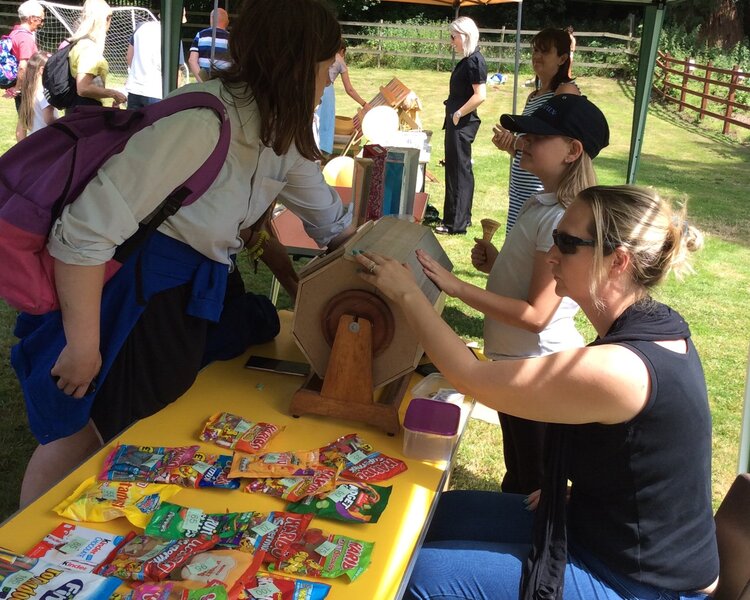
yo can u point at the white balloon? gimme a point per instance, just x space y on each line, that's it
380 123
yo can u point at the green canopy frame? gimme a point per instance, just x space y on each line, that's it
652 24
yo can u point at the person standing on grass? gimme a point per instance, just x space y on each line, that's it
468 89
121 351
36 112
23 39
551 63
631 426
523 316
87 63
207 57
326 111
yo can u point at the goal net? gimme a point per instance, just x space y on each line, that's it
63 19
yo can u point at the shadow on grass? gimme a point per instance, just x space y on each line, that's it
463 324
463 479
667 111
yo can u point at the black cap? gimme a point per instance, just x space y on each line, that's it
572 116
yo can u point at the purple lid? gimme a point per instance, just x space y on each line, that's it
432 416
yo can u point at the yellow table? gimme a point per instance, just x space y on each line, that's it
262 396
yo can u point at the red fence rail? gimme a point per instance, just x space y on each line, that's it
680 81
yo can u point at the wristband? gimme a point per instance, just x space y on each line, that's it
457 114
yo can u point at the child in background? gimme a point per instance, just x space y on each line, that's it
524 317
35 111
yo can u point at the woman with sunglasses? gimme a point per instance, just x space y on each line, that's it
468 89
524 317
631 426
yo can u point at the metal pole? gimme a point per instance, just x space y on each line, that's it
744 462
215 14
171 24
653 19
517 64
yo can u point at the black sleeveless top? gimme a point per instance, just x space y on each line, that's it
641 491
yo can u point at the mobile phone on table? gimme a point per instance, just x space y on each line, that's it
288 367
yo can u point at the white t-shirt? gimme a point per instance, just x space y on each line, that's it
511 277
144 75
40 103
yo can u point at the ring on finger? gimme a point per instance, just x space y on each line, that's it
371 269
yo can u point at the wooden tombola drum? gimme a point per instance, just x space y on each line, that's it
330 287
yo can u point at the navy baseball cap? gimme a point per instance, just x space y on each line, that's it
569 115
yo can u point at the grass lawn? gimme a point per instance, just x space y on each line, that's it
709 171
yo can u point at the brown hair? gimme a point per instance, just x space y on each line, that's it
560 41
657 237
276 46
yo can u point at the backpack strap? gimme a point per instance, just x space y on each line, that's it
199 182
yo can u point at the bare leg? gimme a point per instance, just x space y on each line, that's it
52 462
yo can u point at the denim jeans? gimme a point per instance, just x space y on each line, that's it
138 101
476 547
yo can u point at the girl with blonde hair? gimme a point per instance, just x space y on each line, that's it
524 317
35 112
87 63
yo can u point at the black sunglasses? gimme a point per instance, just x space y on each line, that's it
568 244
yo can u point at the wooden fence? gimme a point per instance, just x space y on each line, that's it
719 93
498 45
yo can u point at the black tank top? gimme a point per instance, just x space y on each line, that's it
641 491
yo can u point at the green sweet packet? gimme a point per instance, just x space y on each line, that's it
350 501
328 556
174 522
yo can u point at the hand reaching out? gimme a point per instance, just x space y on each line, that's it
439 275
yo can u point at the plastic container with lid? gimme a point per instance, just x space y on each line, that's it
436 387
430 429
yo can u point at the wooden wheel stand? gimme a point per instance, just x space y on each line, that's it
358 325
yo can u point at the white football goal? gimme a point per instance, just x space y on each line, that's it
62 21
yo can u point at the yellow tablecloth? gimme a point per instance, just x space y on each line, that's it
263 396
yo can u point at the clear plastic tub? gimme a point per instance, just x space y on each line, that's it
430 429
436 387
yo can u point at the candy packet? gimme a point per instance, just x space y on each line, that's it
350 501
99 501
204 470
294 488
229 568
328 556
275 464
358 460
274 587
145 463
174 522
171 590
148 558
77 548
25 578
232 431
280 531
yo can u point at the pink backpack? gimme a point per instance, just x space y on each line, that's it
45 172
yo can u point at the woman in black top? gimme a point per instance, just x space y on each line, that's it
630 426
468 90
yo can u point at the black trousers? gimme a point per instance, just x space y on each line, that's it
157 364
459 176
523 450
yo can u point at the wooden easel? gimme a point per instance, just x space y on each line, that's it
346 391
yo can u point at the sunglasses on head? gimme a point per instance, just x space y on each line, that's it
568 244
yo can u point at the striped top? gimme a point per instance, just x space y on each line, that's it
202 45
522 183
